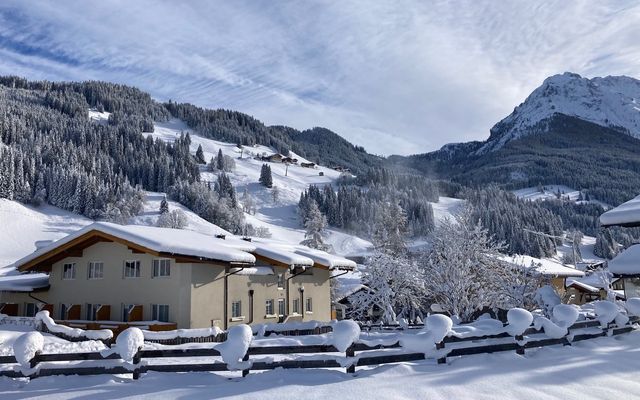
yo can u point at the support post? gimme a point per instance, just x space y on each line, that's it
440 346
136 361
245 372
520 348
351 352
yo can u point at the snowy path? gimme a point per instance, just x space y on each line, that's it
595 369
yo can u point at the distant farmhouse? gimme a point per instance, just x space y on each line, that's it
129 274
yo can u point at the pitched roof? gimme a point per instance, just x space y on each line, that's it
626 214
544 266
161 241
627 262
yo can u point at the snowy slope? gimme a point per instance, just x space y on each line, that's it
280 216
612 101
551 192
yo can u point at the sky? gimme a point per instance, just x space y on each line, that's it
397 76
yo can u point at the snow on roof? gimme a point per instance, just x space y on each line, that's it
627 262
584 286
298 252
544 266
346 290
283 256
23 282
323 258
264 271
165 240
625 214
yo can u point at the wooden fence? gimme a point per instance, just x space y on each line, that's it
357 355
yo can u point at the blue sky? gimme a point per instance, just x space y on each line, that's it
394 76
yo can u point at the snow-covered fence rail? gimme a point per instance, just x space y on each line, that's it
343 348
25 321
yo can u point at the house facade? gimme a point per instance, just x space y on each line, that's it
107 272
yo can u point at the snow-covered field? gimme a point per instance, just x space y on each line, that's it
551 192
594 369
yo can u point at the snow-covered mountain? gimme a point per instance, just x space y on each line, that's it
612 101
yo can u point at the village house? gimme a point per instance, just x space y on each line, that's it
129 273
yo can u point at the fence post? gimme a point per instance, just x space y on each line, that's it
33 363
136 360
351 352
440 346
520 348
245 372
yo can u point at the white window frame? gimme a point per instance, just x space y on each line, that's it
26 309
308 305
72 275
282 308
236 311
157 311
161 267
137 269
92 270
269 308
295 306
281 281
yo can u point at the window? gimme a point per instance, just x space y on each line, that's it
269 307
236 309
281 307
92 312
309 305
30 309
132 269
160 312
69 271
63 311
296 306
280 281
161 268
96 270
126 309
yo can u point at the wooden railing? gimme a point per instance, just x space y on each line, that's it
355 356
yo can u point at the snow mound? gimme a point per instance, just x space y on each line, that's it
565 314
236 346
551 329
480 327
182 333
345 333
27 346
633 306
519 321
547 298
128 343
436 328
99 334
608 312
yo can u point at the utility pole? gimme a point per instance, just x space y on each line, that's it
573 242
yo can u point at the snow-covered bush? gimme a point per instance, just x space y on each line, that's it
565 314
175 219
519 321
608 312
547 298
232 350
98 334
344 333
27 346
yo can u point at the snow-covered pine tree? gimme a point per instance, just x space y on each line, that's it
315 226
175 219
200 155
164 206
220 161
265 176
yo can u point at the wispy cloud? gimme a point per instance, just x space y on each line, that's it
394 76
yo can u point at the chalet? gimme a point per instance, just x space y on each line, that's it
341 169
127 273
625 265
307 165
274 158
553 272
289 160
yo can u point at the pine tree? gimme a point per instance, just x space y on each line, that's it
164 206
200 155
315 226
220 161
265 176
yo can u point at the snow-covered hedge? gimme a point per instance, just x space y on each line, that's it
99 334
26 347
182 333
233 349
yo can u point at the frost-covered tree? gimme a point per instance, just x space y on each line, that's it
315 226
222 162
390 229
275 194
175 219
164 206
462 271
200 155
248 203
606 246
265 176
396 288
225 189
